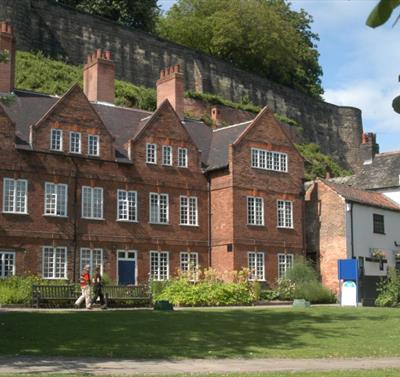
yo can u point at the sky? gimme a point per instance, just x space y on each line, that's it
361 65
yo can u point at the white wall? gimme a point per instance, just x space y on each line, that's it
393 194
365 238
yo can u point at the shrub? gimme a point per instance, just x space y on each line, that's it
301 282
389 290
269 295
209 291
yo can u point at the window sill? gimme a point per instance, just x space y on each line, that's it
151 163
257 225
75 153
93 218
56 150
273 170
15 213
63 278
151 223
190 225
126 221
59 216
285 227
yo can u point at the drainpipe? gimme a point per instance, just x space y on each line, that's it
351 229
75 219
209 220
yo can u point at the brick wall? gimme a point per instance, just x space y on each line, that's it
326 212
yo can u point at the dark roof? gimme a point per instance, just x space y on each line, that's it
370 198
125 124
219 148
383 172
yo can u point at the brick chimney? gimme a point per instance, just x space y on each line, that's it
368 148
7 69
171 86
99 76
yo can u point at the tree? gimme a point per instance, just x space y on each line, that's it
379 15
140 14
261 36
382 12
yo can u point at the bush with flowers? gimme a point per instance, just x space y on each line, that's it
211 289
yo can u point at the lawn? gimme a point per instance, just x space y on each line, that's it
316 332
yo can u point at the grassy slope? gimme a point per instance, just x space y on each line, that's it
38 73
289 333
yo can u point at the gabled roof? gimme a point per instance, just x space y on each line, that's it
383 172
369 198
125 124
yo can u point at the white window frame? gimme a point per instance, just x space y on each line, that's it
167 151
53 275
254 273
70 142
269 160
3 255
158 213
282 218
91 261
256 216
47 205
23 199
128 206
95 146
156 274
189 264
189 211
285 264
152 154
92 203
60 132
183 157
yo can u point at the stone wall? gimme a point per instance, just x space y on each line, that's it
61 32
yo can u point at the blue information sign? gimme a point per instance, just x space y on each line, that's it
348 269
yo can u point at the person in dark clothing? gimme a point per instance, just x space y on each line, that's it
98 288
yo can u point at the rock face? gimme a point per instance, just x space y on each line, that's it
61 32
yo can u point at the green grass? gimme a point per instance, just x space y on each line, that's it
317 332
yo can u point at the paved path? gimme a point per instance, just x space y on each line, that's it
34 365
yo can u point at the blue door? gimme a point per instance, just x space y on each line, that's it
126 272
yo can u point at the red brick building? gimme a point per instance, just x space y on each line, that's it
142 194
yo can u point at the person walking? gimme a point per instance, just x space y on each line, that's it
98 288
84 282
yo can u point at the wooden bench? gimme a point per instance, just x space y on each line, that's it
134 293
46 293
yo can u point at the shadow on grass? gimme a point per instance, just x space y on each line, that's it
184 334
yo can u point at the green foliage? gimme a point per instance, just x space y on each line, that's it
129 95
389 290
141 14
4 54
18 289
210 290
8 99
269 295
301 282
265 37
38 73
318 163
382 12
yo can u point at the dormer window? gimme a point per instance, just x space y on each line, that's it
182 157
56 139
269 160
151 153
75 142
93 145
